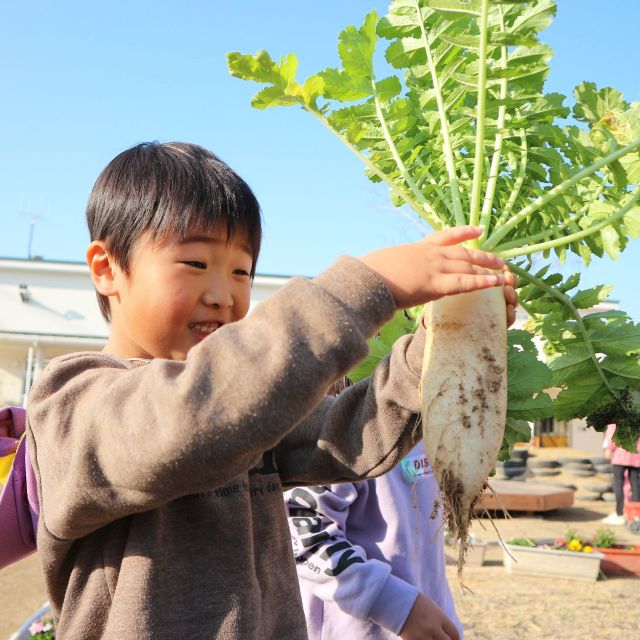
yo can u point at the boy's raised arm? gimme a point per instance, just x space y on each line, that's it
119 440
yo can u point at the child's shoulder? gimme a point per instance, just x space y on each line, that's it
80 360
64 369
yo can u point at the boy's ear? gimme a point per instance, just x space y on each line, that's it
103 269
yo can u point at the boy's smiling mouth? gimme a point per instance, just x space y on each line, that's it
203 329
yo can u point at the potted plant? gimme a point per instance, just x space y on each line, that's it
39 626
569 557
618 558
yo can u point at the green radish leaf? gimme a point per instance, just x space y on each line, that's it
624 412
515 431
378 350
585 395
472 7
592 104
531 408
465 133
625 368
617 338
591 297
402 323
526 373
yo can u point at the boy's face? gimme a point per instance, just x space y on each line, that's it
176 294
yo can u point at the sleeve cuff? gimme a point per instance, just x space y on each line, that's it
394 602
361 290
415 352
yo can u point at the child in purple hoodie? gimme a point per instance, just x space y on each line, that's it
18 493
370 555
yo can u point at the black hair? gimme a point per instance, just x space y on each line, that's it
168 189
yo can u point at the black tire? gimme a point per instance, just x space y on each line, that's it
582 474
604 468
565 460
588 495
545 472
597 488
574 466
543 464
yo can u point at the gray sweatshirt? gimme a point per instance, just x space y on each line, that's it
160 486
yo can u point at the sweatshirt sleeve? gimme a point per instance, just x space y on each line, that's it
109 440
364 431
334 569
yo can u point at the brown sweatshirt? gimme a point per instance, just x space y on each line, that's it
160 486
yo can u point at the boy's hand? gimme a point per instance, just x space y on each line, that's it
427 621
510 295
437 266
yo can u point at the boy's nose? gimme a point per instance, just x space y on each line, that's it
218 296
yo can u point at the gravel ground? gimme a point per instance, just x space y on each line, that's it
21 594
500 606
507 607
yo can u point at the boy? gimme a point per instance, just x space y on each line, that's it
160 460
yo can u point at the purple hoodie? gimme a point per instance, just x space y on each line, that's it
364 551
19 497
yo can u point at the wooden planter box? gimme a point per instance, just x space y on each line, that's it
621 561
536 561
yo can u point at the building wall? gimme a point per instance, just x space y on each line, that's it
21 362
585 438
48 309
12 370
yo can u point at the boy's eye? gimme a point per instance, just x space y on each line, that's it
241 272
196 263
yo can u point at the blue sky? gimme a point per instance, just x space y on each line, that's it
81 81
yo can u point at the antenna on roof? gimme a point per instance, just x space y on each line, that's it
32 218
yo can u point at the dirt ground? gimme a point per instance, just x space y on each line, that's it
501 606
504 606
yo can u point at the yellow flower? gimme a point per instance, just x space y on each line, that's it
587 549
574 545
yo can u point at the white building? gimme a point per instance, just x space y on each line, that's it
48 309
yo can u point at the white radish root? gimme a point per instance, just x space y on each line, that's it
464 400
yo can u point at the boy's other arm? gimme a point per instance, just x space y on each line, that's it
364 431
334 569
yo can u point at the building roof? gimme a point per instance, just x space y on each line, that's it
44 299
56 300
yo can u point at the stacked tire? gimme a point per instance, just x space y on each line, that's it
592 484
513 469
578 467
544 468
